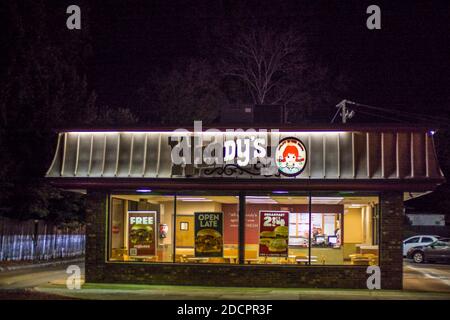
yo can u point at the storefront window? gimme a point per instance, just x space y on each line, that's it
207 228
317 229
277 228
342 229
280 228
141 228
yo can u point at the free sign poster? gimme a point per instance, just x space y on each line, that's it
208 234
273 233
142 233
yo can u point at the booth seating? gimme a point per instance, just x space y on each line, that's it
304 259
118 254
367 249
251 256
366 259
230 254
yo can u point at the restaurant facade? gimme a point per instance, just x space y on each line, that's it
284 207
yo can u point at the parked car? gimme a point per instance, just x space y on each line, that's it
439 250
417 241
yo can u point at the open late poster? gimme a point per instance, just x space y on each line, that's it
142 233
273 233
208 234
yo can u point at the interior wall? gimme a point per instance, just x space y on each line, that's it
367 224
353 225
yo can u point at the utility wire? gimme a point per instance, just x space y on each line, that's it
381 116
403 113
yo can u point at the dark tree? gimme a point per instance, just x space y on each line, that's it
189 91
277 67
43 87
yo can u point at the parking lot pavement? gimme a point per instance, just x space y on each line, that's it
421 281
426 277
28 278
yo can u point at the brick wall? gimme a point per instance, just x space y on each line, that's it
97 270
391 240
95 236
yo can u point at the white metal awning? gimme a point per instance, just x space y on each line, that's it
337 155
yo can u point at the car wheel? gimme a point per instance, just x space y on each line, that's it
418 257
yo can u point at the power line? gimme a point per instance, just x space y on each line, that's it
347 114
381 116
399 112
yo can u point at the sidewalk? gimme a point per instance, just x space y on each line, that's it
155 292
21 265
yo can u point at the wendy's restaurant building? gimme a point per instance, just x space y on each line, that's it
291 207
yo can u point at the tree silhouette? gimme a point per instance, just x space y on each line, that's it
277 68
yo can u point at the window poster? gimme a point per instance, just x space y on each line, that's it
208 234
273 233
142 233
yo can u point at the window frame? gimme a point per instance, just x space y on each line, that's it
176 194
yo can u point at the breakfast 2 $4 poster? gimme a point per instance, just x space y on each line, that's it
273 233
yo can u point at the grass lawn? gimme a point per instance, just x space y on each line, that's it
162 292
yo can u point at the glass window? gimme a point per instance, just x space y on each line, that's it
427 239
343 230
141 228
207 228
413 240
335 229
276 228
281 227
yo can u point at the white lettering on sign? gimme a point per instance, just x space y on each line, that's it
215 147
208 220
142 220
274 220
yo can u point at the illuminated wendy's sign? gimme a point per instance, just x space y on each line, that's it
290 157
227 152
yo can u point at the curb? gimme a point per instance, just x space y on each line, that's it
39 265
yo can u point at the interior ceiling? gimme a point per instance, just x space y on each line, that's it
272 199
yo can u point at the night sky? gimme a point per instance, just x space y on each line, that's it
404 66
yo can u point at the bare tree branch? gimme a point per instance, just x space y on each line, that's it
263 60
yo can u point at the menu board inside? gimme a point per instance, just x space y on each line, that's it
208 234
141 233
273 233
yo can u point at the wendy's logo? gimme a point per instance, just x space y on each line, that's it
290 157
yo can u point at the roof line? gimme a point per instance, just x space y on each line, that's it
280 127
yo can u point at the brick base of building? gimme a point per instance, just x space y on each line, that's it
353 277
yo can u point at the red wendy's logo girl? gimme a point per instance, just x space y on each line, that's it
290 157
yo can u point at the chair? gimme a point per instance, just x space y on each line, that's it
359 259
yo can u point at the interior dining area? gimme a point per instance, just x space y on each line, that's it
332 228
